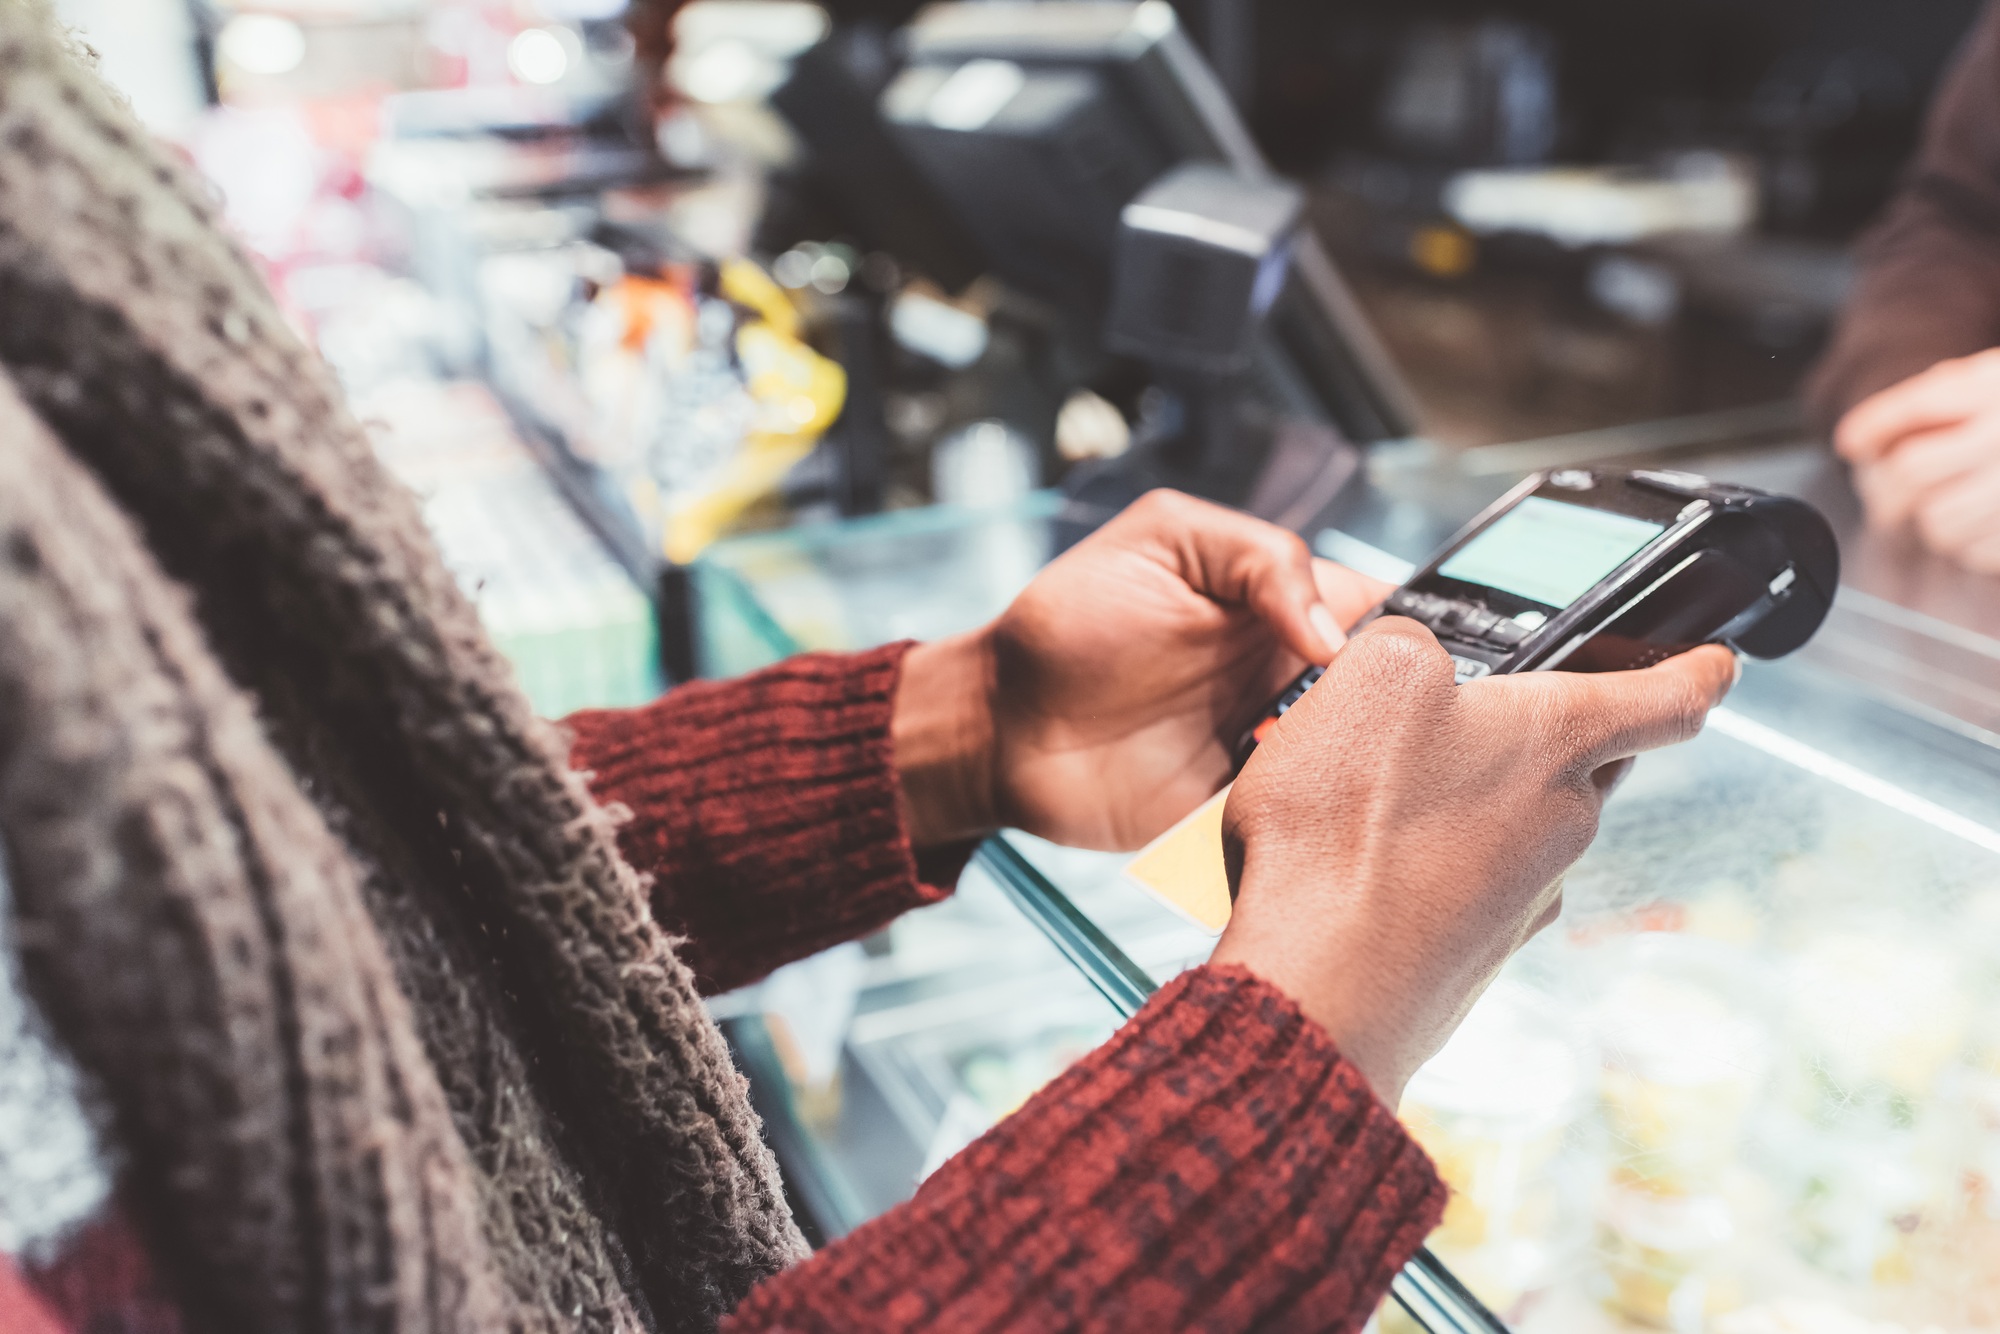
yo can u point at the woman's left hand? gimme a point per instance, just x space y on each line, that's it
1104 704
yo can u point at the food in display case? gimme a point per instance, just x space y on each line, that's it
1875 1022
1808 1317
1498 1110
1684 1060
1685 1056
1791 1119
1666 1260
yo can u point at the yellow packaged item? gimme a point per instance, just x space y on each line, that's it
1183 867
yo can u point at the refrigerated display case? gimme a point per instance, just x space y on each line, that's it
1750 1081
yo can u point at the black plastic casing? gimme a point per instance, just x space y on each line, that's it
1734 565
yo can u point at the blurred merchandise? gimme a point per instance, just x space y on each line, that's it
1806 1317
986 466
1578 206
149 51
917 574
1499 1110
1666 1257
579 633
1686 1058
1876 1021
691 389
1483 93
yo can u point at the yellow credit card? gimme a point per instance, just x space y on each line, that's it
1183 868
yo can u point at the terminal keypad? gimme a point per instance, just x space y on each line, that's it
1465 621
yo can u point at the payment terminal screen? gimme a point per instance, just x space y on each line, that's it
1549 552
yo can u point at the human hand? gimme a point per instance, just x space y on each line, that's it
1105 703
1397 838
1926 453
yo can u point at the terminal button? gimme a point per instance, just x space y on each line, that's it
1469 669
1478 622
1418 606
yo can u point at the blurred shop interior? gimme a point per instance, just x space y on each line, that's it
794 262
713 331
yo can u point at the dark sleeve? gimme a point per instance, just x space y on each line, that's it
1216 1166
766 810
1929 286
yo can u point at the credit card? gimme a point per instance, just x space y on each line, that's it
1183 868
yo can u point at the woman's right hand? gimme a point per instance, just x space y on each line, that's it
1926 455
1398 837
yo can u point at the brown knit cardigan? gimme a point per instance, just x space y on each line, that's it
300 878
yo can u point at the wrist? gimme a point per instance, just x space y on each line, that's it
942 733
1343 1018
1331 974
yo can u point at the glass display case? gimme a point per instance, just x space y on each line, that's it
1750 1082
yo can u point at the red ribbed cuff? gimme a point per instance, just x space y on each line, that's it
1216 1166
766 810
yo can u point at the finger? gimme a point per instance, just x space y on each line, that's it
1604 717
1952 517
1239 560
1982 555
1348 594
1905 479
1944 395
1886 498
1395 648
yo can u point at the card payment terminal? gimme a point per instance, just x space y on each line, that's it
1596 569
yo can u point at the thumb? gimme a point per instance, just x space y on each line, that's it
1282 590
1611 716
1237 559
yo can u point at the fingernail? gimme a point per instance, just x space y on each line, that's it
1328 628
1736 660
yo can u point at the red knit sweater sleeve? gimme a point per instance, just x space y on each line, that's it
1216 1166
765 810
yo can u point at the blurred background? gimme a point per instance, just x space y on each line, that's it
711 331
1545 218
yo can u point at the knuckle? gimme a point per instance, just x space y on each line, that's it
1687 709
1402 650
1282 545
1161 504
1933 527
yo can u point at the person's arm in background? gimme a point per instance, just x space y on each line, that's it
1911 385
1929 285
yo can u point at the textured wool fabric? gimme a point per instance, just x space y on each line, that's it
621 1176
199 939
763 784
1930 269
1215 1166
